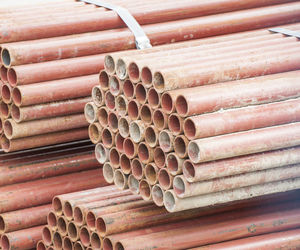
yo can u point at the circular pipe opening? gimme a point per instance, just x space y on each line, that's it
107 138
123 125
5 56
158 195
67 244
57 205
140 93
146 76
113 121
151 174
103 80
167 103
78 246
121 105
133 110
94 133
121 69
78 216
129 148
159 157
95 241
114 85
101 153
188 170
108 172
17 96
159 82
8 129
114 157
153 98
134 72
181 105
146 114
119 246
143 152
180 146
61 225
57 241
101 226
137 169
128 89
97 96
125 164
172 163
103 116
169 201
133 184
5 242
194 152
165 141
119 142
145 190
84 236
4 109
109 64
51 220
72 231
41 246
120 180
174 124
164 179
159 119
4 73
5 144
6 93
15 113
68 210
151 136
46 235
135 132
2 225
107 244
189 128
178 185
110 101
90 113
91 220
12 77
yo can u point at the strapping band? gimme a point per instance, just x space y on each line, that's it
286 32
141 39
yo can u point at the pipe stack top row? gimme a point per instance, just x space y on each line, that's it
201 123
49 67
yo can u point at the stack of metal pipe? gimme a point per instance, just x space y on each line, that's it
30 179
107 218
52 51
203 122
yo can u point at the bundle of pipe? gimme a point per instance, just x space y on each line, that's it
30 179
180 125
60 54
108 218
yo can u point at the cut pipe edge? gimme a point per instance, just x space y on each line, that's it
160 119
47 236
119 141
151 173
90 112
154 98
115 86
145 153
137 169
181 106
189 128
167 103
96 241
103 80
84 236
125 164
101 153
146 114
121 180
121 105
62 225
123 125
129 89
109 64
5 57
145 190
4 73
133 184
98 96
113 121
5 110
103 116
175 123
130 148
121 69
114 157
134 72
57 241
166 141
141 93
17 96
157 195
151 136
181 146
95 130
51 220
137 131
6 93
108 173
108 138
146 76
159 157
165 180
174 164
133 109
158 82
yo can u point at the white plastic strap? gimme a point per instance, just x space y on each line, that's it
286 32
141 39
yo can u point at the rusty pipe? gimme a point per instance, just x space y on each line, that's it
125 164
133 184
108 173
159 157
95 131
137 131
137 168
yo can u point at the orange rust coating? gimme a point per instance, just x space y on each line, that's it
108 20
280 240
63 89
22 239
48 167
235 120
58 69
243 143
24 218
42 191
44 139
15 130
217 228
239 165
52 109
